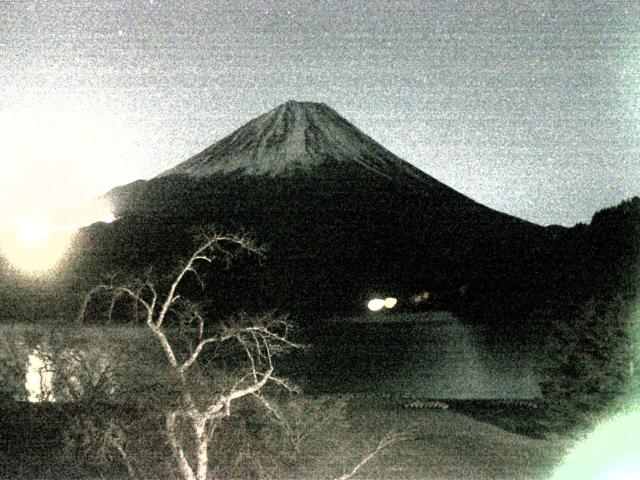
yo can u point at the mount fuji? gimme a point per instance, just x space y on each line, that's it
343 217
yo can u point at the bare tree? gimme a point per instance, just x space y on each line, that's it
259 340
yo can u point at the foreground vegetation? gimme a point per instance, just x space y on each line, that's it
330 435
581 310
201 407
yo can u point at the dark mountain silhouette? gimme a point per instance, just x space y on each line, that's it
343 218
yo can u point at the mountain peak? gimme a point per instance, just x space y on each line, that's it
294 136
297 105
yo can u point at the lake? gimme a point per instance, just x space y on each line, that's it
428 355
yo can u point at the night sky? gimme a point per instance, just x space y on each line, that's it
531 108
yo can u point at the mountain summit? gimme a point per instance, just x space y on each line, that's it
295 137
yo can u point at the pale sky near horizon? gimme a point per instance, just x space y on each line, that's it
532 108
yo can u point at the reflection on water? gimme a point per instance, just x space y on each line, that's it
65 375
39 378
416 354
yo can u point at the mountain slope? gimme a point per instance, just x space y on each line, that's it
296 136
299 139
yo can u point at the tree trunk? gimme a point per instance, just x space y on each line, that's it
203 446
178 453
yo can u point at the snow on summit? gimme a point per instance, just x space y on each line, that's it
293 137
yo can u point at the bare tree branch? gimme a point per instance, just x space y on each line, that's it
387 441
194 356
206 252
112 305
250 357
85 303
235 394
115 437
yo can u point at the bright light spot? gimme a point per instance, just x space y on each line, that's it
32 230
108 217
611 452
35 247
56 153
375 305
39 379
33 251
85 214
390 302
64 149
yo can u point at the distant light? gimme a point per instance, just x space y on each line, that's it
32 231
390 302
376 304
108 217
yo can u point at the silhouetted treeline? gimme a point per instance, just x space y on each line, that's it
588 320
576 300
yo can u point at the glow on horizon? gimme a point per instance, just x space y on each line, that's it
36 246
32 231
59 152
63 149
